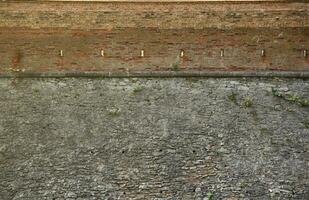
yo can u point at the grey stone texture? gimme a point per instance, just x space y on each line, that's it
152 138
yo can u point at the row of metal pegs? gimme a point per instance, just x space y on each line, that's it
182 53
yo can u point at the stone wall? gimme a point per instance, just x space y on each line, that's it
177 138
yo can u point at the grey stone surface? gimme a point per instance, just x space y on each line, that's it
80 138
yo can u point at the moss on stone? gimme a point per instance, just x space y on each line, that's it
233 97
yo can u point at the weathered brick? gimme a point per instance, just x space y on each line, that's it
24 50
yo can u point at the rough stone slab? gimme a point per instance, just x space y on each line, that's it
79 138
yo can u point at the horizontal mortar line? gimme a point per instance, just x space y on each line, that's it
165 74
157 1
172 2
163 2
160 0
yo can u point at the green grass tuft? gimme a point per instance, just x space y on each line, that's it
247 102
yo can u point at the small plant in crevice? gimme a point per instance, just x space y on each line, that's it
264 131
255 116
275 92
113 112
233 97
137 90
293 98
306 124
209 196
247 102
290 110
175 66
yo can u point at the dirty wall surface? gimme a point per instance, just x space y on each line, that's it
181 138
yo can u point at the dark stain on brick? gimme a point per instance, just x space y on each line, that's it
16 60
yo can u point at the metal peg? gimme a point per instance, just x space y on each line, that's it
61 53
182 53
222 52
263 53
102 53
142 53
305 53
